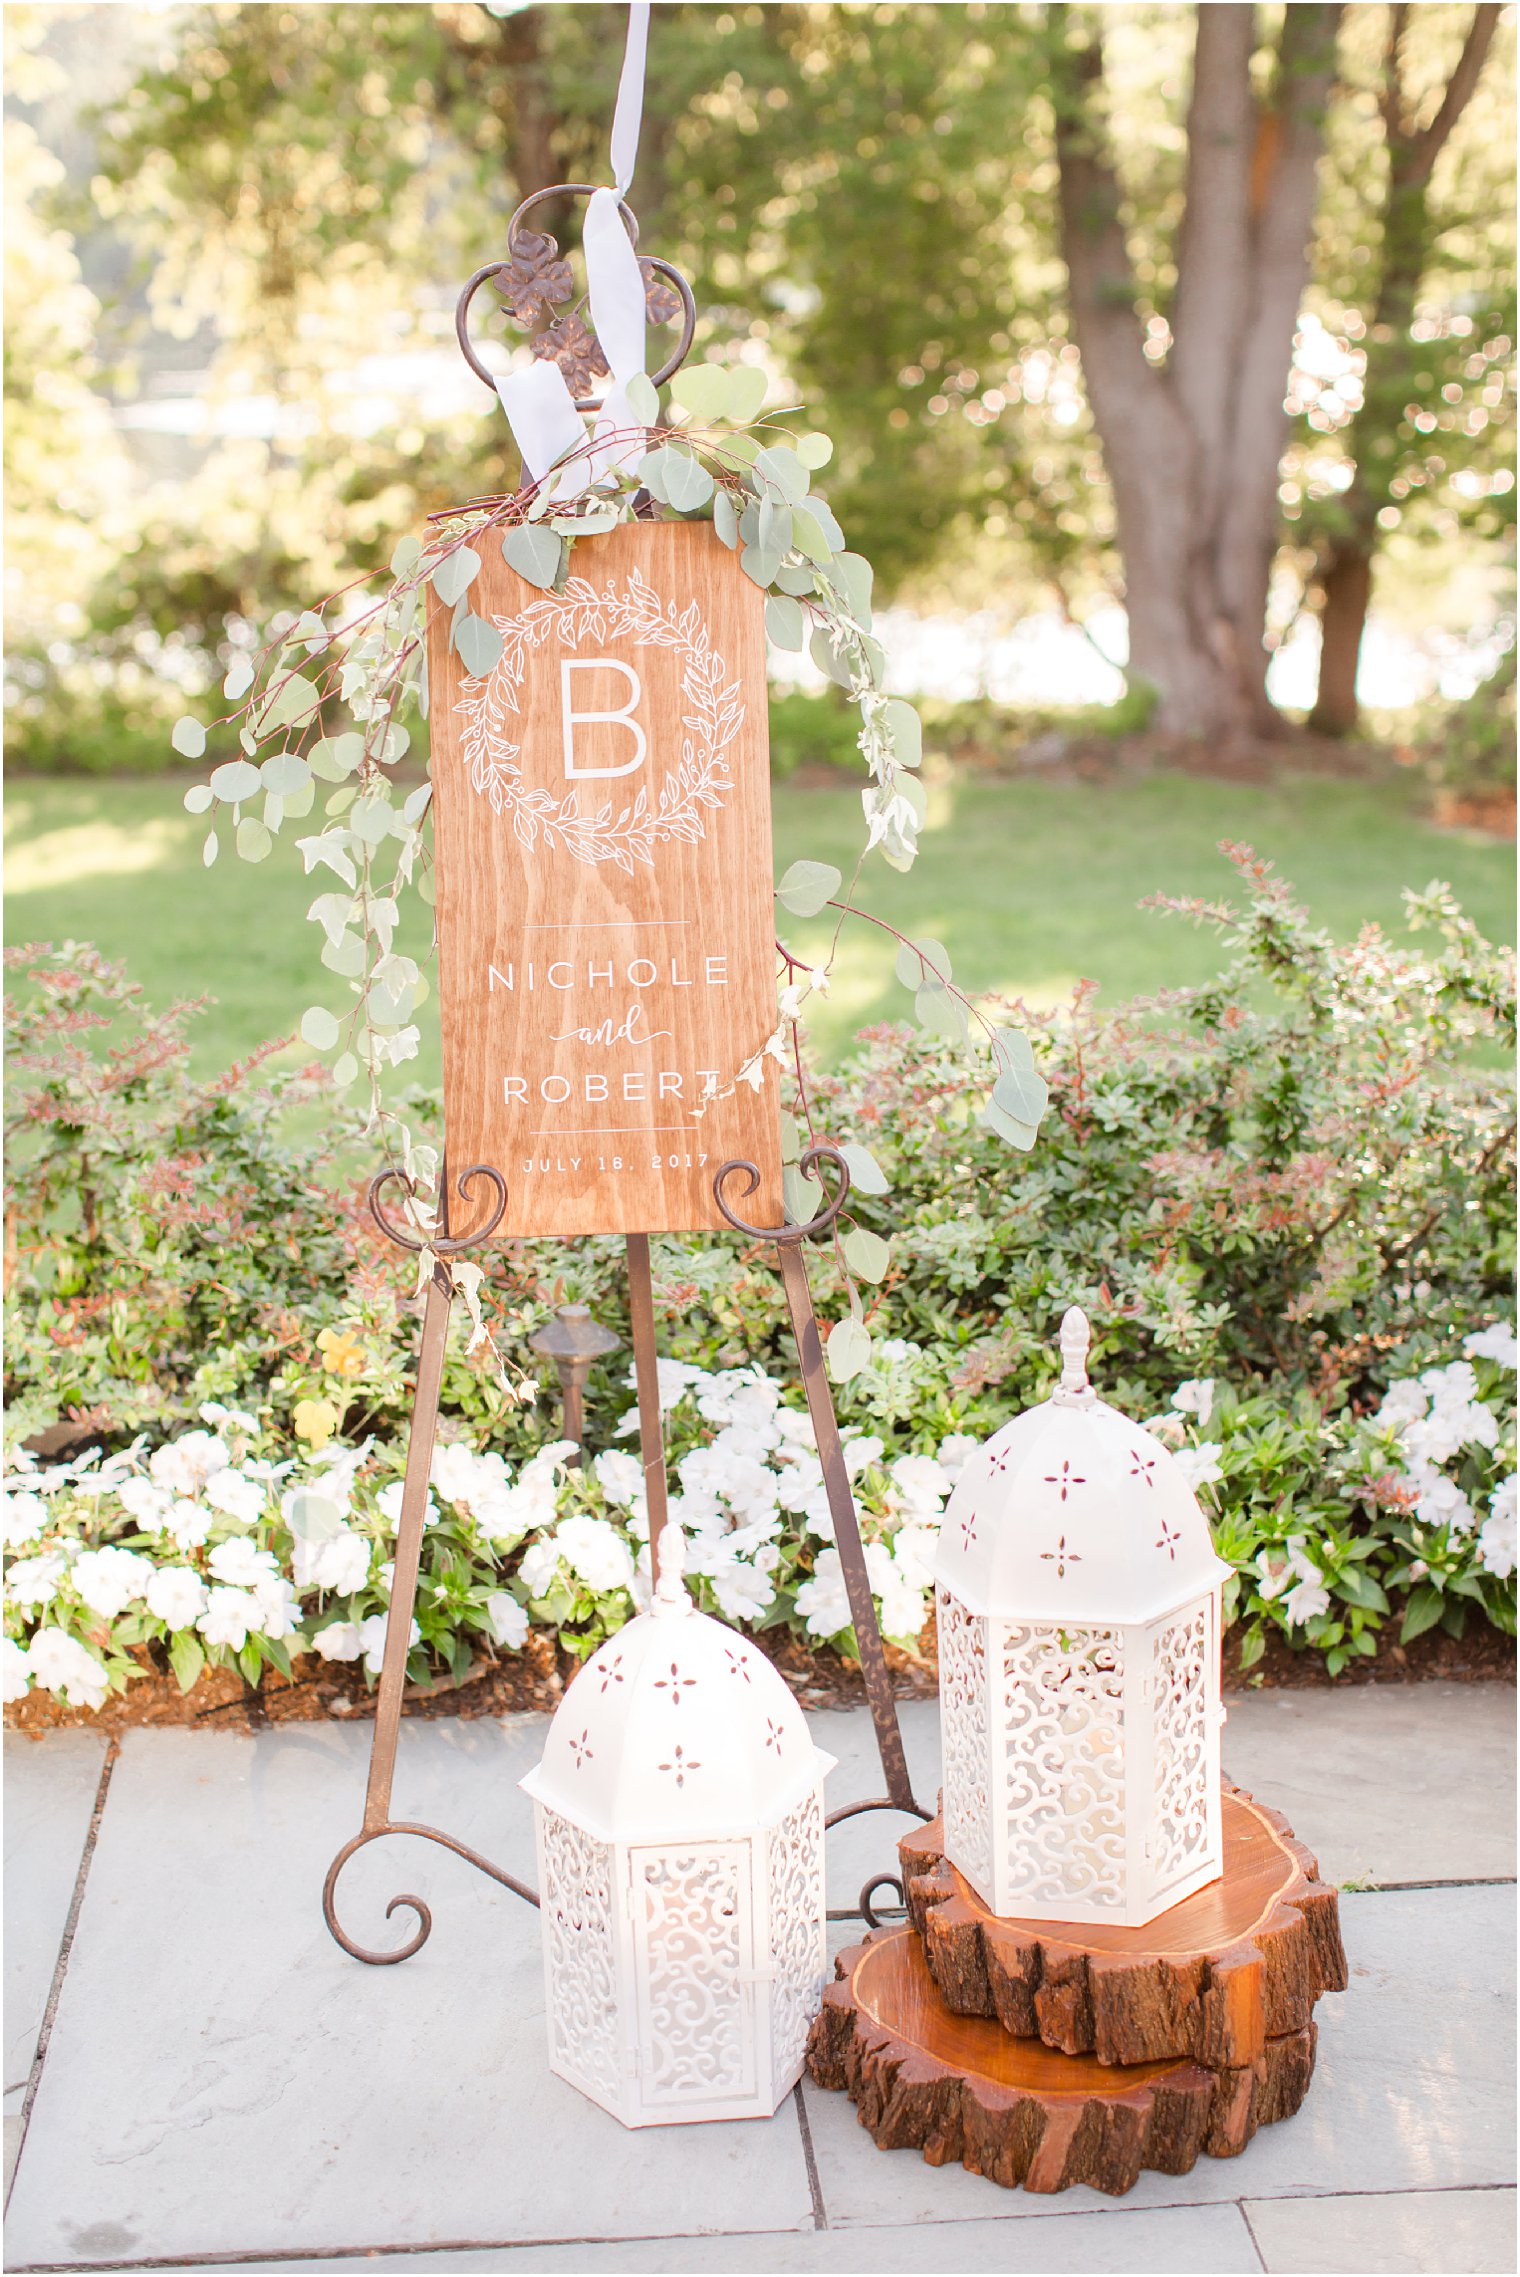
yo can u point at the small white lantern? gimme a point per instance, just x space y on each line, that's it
679 1815
1078 1595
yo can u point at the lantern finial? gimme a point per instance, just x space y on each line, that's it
670 1590
1076 1336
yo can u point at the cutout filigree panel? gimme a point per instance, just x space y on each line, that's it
1062 1755
581 1943
1180 1707
694 1934
963 1722
794 1873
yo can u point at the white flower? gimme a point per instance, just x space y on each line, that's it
913 1548
509 1623
340 1640
372 1637
1305 1601
740 1395
1496 1536
1496 1342
919 1485
184 1466
1442 1502
860 1451
1402 1404
147 1503
240 1564
15 1671
793 1427
540 1563
177 1596
675 1378
621 1477
823 1601
594 1549
34 1581
238 1498
279 1607
229 1615
1199 1465
388 1502
189 1525
461 1475
61 1664
25 1516
743 1590
341 1563
337 1468
233 1418
1195 1397
110 1580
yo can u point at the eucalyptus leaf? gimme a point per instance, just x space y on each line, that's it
210 849
293 698
866 1173
744 448
1009 1127
688 484
848 1349
285 772
456 573
784 622
405 556
921 963
808 887
851 574
479 646
188 737
940 1010
1023 1093
239 678
703 389
235 779
199 798
791 1137
253 840
726 517
829 661
758 565
336 756
746 392
749 523
866 1254
804 1197
535 553
319 1028
780 465
371 819
643 398
775 530
808 537
911 790
344 1068
814 449
905 732
792 577
345 956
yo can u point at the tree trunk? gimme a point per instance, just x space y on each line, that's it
1345 577
1192 450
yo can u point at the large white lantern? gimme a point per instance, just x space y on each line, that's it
679 1814
1078 1596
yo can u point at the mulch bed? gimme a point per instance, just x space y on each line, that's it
536 1678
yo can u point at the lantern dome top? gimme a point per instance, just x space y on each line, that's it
1074 1512
676 1727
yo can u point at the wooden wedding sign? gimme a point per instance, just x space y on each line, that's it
606 929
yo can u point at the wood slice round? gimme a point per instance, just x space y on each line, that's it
1214 1978
960 2087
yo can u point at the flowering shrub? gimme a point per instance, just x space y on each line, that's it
1284 1200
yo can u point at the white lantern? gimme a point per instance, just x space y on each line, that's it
679 1815
1078 1596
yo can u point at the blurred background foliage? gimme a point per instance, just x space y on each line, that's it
236 233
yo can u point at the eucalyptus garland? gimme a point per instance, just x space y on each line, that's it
322 710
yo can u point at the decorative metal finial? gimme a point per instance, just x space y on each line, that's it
1076 1337
670 1590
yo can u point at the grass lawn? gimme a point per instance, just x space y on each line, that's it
1031 886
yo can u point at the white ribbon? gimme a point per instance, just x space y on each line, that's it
537 400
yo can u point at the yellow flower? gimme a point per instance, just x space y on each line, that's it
342 1353
315 1421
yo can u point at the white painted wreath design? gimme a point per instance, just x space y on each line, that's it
712 719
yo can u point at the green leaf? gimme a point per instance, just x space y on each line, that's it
1252 1645
405 557
688 484
457 572
866 1173
808 537
851 576
705 390
187 1657
479 645
814 449
199 797
643 398
251 1660
781 467
923 962
1009 1127
866 1254
760 567
188 737
253 840
336 756
784 622
804 1197
234 780
940 1010
848 1348
1425 1607
319 1028
537 555
905 732
344 1068
791 1137
792 577
775 532
747 387
807 887
829 661
726 517
295 698
285 773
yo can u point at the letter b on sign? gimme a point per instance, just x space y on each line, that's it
623 717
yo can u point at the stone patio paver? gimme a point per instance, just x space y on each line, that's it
222 2080
1466 2233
